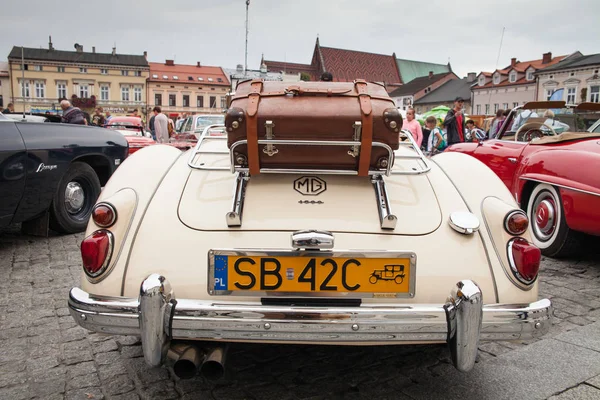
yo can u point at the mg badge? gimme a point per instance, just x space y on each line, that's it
310 185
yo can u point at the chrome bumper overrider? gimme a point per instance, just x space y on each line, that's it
158 318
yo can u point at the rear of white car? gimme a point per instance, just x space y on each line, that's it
438 256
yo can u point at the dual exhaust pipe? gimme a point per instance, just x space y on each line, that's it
190 358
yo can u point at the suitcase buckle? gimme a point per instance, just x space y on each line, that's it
355 151
270 150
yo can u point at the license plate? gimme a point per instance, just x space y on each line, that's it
354 274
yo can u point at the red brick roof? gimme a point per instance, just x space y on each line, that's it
209 75
348 65
521 67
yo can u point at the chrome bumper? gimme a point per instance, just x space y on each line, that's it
158 318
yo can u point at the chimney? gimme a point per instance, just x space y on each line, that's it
78 48
430 74
198 64
93 49
114 51
471 76
146 55
546 58
239 68
169 62
50 46
513 62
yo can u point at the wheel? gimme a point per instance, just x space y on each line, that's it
74 199
546 215
373 279
399 279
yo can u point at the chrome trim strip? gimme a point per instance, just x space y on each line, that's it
559 185
309 254
387 219
234 217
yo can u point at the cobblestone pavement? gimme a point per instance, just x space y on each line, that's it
45 355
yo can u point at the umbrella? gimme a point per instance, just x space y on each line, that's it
438 112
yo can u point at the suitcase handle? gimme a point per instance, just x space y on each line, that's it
298 91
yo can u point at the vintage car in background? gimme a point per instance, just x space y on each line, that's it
194 125
408 251
51 174
132 128
546 154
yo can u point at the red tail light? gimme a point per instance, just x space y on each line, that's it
96 250
516 223
524 259
104 215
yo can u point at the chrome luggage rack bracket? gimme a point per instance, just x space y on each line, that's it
234 217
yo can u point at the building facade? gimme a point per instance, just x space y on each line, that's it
405 95
192 89
4 86
237 75
116 82
511 86
578 76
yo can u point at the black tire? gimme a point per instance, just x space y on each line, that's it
65 220
548 224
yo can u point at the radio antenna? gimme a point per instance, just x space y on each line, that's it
497 61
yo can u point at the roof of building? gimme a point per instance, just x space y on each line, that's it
348 65
161 72
78 57
519 66
448 92
3 68
344 65
417 84
410 69
575 62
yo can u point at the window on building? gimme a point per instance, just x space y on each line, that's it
549 93
210 79
190 78
212 101
200 78
529 75
219 80
478 109
496 79
595 94
505 106
481 80
487 109
158 99
571 93
61 90
200 101
40 89
165 77
124 72
104 92
25 89
137 94
496 106
512 77
104 71
60 69
124 93
84 91
38 68
172 100
515 104
186 100
154 76
82 70
137 73
223 102
175 77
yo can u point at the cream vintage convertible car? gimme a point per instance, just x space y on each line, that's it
418 252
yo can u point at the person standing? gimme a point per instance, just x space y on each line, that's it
71 115
161 125
436 142
455 122
10 109
496 123
98 119
151 126
107 118
412 125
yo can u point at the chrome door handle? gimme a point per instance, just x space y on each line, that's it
512 160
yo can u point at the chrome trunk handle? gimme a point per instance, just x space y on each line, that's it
312 240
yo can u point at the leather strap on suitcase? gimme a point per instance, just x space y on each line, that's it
252 112
366 139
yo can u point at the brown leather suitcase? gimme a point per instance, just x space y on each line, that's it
317 112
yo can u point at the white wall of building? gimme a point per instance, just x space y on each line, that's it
573 81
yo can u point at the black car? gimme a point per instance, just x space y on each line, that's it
51 174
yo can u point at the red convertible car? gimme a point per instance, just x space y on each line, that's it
133 130
548 157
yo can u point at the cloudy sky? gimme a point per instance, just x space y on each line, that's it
465 32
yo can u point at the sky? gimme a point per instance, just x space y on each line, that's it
465 32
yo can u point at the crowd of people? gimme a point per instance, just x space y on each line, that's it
434 137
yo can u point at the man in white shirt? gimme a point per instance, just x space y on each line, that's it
161 126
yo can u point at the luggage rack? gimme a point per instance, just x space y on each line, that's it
234 217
